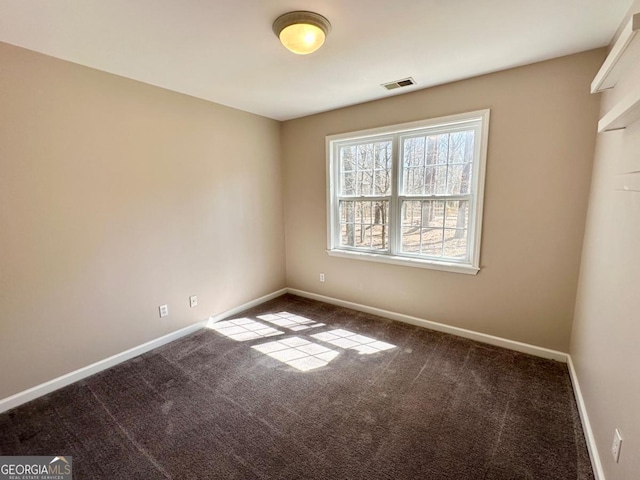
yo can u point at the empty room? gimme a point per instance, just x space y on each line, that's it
320 240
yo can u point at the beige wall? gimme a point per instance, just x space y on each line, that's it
542 134
605 345
116 197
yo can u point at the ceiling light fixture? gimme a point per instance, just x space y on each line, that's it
301 32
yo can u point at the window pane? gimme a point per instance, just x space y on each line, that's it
363 212
457 214
438 164
347 234
422 225
413 165
414 151
347 223
347 170
365 169
432 242
461 147
378 237
411 213
382 181
348 183
431 156
420 214
455 243
411 239
435 180
363 236
458 179
347 159
383 155
363 185
347 212
413 180
438 149
382 168
433 213
364 224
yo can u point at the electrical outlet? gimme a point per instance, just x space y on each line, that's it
617 444
322 277
193 301
164 310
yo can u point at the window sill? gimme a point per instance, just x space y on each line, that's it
405 261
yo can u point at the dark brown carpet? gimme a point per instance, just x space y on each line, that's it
368 398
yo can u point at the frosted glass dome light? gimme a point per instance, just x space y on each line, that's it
301 32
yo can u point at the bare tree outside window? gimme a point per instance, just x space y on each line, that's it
365 175
436 165
412 193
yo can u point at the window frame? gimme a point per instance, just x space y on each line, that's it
478 120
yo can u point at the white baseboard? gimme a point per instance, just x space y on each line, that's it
440 327
64 380
69 378
492 340
598 472
84 372
246 306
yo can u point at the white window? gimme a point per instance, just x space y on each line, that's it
409 194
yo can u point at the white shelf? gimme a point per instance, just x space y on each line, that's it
623 114
625 49
628 182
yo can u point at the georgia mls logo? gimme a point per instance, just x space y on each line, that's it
35 468
59 459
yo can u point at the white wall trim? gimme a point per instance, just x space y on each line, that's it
492 340
246 306
40 390
440 327
598 472
71 377
405 261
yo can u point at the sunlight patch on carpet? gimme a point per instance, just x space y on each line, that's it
290 321
298 353
346 339
243 329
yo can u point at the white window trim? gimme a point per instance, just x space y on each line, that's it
475 219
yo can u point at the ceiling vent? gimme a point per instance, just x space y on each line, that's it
405 82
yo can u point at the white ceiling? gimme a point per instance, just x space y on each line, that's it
224 50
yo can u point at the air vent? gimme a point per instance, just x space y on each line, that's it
405 82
